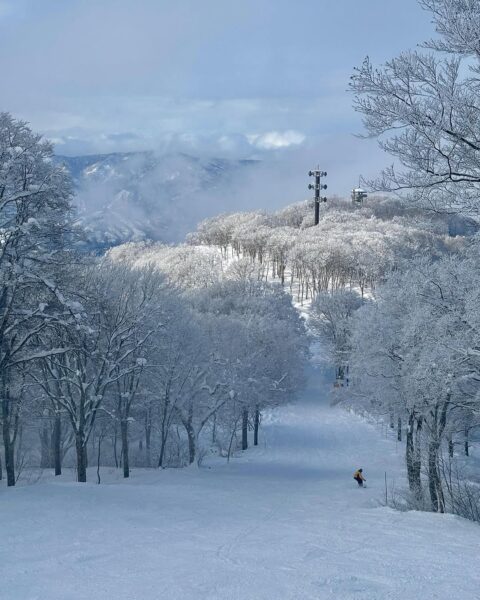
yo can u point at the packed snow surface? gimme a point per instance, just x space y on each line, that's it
283 521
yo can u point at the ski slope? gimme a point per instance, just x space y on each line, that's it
285 521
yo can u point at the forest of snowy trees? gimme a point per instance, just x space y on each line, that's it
394 283
421 365
97 355
154 355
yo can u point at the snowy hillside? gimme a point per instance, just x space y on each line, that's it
284 521
140 195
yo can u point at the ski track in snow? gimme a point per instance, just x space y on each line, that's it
284 521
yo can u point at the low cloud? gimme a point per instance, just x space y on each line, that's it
226 145
274 140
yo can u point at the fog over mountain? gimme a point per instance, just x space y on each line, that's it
141 195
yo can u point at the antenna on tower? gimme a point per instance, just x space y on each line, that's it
317 186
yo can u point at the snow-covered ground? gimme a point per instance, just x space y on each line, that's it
283 521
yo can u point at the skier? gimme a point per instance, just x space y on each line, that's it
359 478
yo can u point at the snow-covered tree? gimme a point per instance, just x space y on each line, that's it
332 314
414 355
118 314
264 345
424 107
34 227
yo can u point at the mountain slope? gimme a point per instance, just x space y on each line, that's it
141 195
284 520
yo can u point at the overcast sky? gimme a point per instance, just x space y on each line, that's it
245 78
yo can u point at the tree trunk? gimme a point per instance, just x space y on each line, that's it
256 426
126 466
57 443
434 483
214 429
412 456
399 429
466 446
81 449
98 458
161 458
9 456
409 451
192 446
115 450
417 456
148 445
245 429
8 443
450 448
164 430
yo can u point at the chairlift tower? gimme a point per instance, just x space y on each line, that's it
317 186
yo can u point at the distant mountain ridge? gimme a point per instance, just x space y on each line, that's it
142 195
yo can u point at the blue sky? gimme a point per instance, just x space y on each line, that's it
251 78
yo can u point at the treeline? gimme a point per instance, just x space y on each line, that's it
352 246
107 363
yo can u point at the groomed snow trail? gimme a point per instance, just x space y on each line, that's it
284 521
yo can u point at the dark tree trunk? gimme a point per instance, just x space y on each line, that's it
81 449
466 445
191 445
164 434
450 448
57 444
161 458
417 456
409 451
434 483
256 426
148 444
99 453
8 442
115 450
214 429
9 457
399 429
126 466
412 456
245 429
